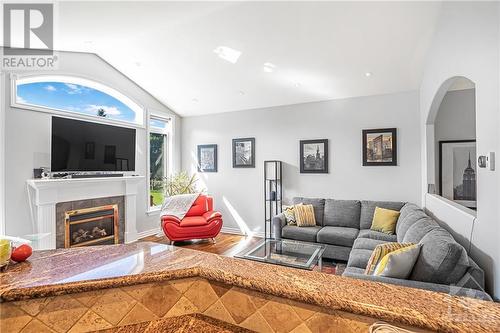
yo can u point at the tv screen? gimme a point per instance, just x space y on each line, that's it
85 146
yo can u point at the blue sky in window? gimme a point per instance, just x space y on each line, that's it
73 98
158 123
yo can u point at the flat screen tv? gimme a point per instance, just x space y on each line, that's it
82 146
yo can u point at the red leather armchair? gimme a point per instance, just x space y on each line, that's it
201 221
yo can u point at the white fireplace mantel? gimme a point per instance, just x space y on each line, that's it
44 194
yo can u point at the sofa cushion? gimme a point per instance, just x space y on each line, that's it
407 209
419 229
409 219
342 213
337 235
372 234
306 234
359 258
193 221
199 206
349 271
367 243
368 208
318 205
441 260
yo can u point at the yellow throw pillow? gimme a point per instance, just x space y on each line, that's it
384 220
304 216
380 252
398 264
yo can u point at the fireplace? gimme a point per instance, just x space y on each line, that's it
99 221
91 226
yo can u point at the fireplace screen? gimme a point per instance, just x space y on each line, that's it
91 226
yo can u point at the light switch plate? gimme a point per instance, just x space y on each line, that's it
491 161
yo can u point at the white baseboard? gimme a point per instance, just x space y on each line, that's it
237 231
147 233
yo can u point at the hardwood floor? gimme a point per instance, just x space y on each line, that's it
225 244
229 245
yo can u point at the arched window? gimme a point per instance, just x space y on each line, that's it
67 94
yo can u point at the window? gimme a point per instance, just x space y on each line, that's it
158 136
66 94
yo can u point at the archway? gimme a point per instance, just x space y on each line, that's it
451 142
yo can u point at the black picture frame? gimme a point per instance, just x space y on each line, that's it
240 161
472 204
214 162
394 149
307 166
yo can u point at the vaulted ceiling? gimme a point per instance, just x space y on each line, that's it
313 51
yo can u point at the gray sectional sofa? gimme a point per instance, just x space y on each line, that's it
343 226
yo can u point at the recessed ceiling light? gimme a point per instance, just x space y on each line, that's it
227 54
194 100
269 67
241 92
368 74
137 63
297 84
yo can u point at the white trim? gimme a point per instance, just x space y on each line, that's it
2 154
152 211
148 233
237 231
455 206
80 80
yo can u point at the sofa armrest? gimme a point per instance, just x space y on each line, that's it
211 215
474 277
170 218
452 290
277 223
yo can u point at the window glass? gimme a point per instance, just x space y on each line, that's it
157 168
80 96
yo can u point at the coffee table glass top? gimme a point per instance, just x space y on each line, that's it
286 252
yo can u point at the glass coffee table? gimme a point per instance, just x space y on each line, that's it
286 252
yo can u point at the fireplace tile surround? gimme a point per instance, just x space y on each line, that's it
63 207
46 195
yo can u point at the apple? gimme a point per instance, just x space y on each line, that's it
21 253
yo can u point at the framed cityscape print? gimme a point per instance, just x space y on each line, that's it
314 156
457 171
244 153
380 147
207 158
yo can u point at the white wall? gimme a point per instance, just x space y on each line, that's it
2 155
455 120
466 43
27 140
277 131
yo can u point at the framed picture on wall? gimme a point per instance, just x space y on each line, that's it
207 158
314 156
244 153
457 171
380 147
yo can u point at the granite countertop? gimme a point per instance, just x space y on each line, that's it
62 271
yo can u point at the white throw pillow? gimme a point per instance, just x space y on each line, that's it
398 264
